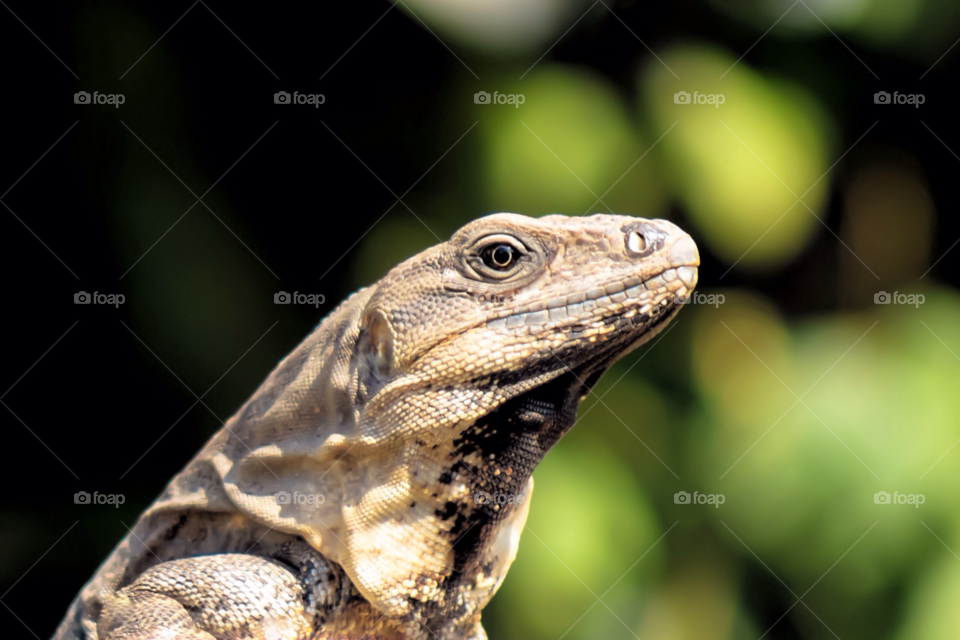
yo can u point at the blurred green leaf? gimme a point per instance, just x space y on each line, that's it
569 148
739 164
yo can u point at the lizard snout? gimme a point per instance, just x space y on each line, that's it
684 253
685 258
666 245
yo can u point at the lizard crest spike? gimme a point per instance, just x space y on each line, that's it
377 482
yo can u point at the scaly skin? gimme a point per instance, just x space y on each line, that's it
350 497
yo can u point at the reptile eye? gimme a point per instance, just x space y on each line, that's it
499 256
636 242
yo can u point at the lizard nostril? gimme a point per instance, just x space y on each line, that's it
642 238
636 242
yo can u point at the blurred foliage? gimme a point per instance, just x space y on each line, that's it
549 597
498 27
574 140
881 20
197 287
741 166
915 28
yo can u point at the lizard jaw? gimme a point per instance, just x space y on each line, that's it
614 296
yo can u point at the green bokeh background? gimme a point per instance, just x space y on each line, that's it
794 395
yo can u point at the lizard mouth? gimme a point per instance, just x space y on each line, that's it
633 296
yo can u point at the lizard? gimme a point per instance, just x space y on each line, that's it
376 484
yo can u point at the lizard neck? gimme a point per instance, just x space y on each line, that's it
494 459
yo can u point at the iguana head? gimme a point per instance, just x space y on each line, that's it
421 406
509 297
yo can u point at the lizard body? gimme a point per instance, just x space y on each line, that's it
357 493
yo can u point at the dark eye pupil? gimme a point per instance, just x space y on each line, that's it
502 256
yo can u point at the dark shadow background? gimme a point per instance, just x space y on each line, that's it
103 199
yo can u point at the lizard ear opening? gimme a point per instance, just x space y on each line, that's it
376 346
